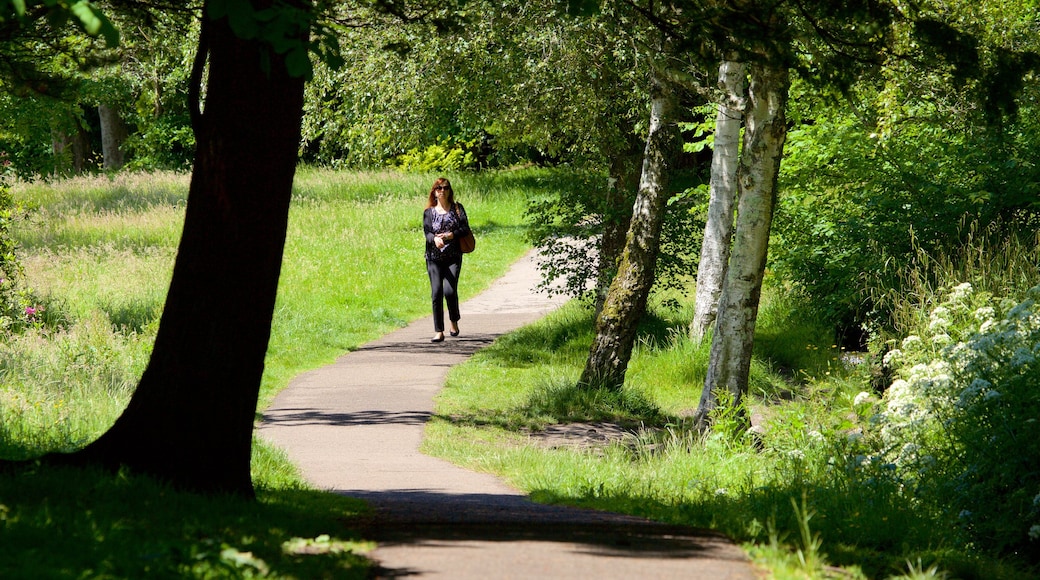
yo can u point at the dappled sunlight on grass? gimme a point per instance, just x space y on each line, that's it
97 524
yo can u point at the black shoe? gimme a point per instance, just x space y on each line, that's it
453 332
437 338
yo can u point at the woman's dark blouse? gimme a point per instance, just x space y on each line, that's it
455 221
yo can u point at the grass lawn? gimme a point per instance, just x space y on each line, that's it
98 254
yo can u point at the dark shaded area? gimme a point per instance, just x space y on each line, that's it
87 523
412 517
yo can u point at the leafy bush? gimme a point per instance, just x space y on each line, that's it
441 157
962 418
861 201
167 142
17 305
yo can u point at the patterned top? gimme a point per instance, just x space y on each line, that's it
434 223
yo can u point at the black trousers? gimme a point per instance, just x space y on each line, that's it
444 284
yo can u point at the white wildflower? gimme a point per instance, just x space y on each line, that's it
1022 311
862 398
977 386
985 314
910 342
961 290
721 491
938 324
992 394
941 339
816 436
892 356
796 454
908 452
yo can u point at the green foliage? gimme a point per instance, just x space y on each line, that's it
18 306
519 82
961 418
82 13
567 227
860 202
438 158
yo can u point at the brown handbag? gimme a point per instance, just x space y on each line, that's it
467 243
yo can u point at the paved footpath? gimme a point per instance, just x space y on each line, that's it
354 428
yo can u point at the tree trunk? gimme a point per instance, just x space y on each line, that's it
113 133
616 222
626 300
190 421
718 231
70 152
764 136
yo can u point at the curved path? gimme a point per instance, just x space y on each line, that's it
354 428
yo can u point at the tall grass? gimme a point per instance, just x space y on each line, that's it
993 260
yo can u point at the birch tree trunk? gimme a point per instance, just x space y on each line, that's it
764 136
718 231
626 299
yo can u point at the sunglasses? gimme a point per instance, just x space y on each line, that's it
442 187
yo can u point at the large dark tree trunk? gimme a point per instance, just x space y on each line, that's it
190 421
626 299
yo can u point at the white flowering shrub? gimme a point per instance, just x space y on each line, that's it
964 416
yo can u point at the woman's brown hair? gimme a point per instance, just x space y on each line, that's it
441 181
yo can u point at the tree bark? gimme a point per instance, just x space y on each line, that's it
626 300
764 136
190 421
616 221
113 133
718 231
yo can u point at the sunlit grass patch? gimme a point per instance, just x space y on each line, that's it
129 286
140 230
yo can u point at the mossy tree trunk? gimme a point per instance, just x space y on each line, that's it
624 175
626 299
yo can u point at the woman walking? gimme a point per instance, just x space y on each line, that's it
444 221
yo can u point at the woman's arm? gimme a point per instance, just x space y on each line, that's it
427 224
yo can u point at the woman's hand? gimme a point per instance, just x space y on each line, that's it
438 241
